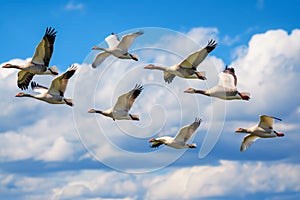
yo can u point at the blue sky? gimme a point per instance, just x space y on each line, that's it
58 152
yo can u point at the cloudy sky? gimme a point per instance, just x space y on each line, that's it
58 152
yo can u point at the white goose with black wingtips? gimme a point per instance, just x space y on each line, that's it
264 129
188 67
116 47
39 63
179 141
120 111
55 94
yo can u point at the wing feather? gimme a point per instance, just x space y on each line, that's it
38 88
112 40
59 84
44 50
99 59
127 40
226 80
156 143
186 132
24 79
194 59
168 77
267 121
126 101
248 141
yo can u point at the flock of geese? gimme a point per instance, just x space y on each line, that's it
226 89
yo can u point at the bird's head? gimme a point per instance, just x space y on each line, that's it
150 66
7 66
190 90
152 140
92 111
96 48
240 130
21 94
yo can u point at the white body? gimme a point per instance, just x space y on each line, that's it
116 48
179 141
264 129
188 67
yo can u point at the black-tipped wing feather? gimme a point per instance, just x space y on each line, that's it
24 79
59 84
186 132
126 101
44 50
156 144
194 59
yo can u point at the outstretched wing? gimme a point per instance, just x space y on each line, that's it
266 121
99 59
157 142
24 79
127 40
248 141
126 101
186 132
194 59
226 80
112 40
59 84
43 51
38 88
168 77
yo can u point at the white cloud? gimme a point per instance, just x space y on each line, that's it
46 132
225 180
267 69
32 129
222 180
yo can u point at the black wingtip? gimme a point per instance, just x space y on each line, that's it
138 87
211 45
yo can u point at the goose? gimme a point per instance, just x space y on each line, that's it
226 88
116 48
264 129
179 141
39 63
55 94
120 111
188 67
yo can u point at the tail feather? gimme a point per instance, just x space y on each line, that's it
135 117
201 75
245 95
53 70
69 102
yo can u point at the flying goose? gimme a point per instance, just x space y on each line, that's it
264 129
120 111
179 141
226 88
188 67
55 94
39 64
116 48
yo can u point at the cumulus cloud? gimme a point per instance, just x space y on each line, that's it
47 133
225 180
222 180
267 68
32 129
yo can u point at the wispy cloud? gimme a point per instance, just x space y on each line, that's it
73 6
